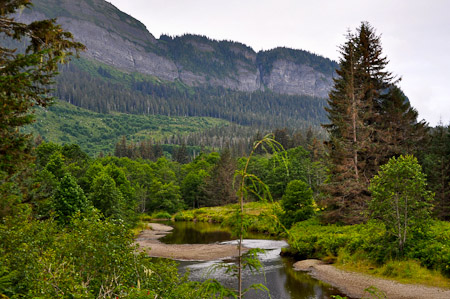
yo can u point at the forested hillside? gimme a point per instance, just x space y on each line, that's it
103 89
126 69
98 133
119 40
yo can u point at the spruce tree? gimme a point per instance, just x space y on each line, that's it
349 137
370 121
400 132
436 163
219 189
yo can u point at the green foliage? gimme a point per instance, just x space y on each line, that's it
89 258
435 159
400 199
165 197
55 165
192 187
356 244
69 199
297 203
432 248
25 78
161 215
105 195
94 132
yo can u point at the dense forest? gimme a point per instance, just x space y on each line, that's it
104 89
374 195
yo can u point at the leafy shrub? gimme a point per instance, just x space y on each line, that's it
297 203
310 239
161 215
88 258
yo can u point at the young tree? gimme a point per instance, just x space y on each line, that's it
400 199
192 187
106 196
69 199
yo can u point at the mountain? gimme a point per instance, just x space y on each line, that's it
118 40
127 70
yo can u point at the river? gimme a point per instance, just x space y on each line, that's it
278 275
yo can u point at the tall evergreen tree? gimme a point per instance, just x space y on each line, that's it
219 189
401 133
349 136
370 121
436 163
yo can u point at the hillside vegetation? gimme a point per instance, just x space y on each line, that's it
64 123
101 88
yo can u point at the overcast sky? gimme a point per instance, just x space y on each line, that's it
415 34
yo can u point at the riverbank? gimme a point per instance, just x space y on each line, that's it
353 284
148 241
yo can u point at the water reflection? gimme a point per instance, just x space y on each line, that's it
278 276
186 232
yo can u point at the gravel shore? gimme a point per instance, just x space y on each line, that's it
353 284
148 241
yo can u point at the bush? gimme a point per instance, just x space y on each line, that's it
88 258
161 215
297 203
310 239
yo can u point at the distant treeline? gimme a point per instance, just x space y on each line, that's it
238 140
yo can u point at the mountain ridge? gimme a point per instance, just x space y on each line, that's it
117 39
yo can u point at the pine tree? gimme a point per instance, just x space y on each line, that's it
121 147
349 135
181 154
401 133
219 186
370 121
436 163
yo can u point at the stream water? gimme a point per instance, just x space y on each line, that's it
278 276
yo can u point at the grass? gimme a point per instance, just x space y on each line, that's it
406 271
140 226
259 214
221 213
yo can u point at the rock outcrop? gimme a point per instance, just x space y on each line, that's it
115 38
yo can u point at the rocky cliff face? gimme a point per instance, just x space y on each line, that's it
291 78
119 40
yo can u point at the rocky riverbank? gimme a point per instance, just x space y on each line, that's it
353 284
